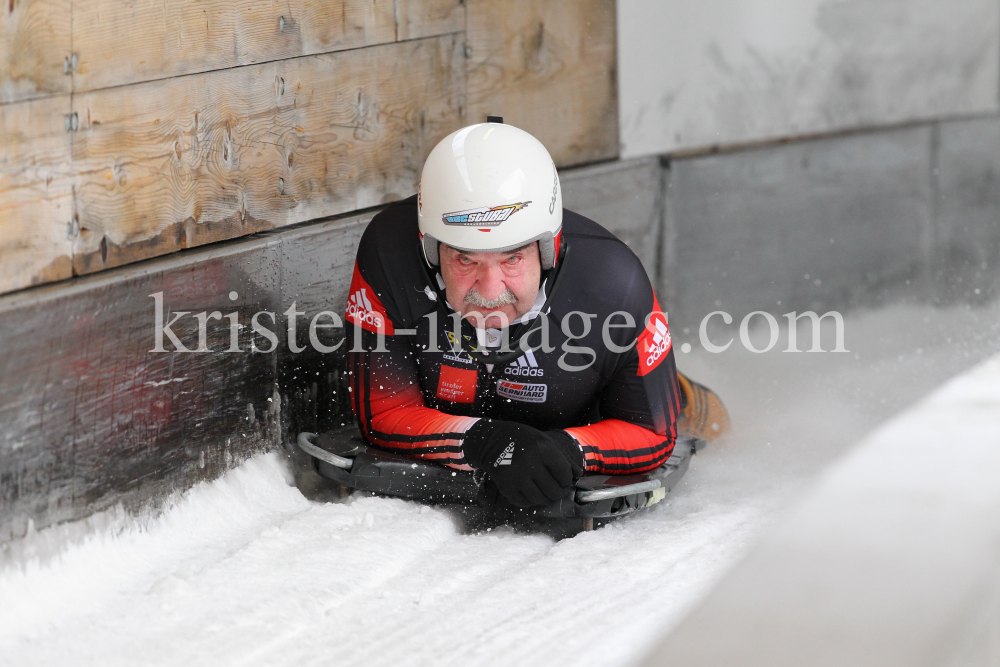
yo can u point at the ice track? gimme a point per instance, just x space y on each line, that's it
247 571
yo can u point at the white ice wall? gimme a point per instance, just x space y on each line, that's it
694 74
892 560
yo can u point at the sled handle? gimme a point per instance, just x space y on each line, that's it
617 491
305 442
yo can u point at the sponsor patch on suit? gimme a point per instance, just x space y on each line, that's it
526 392
457 385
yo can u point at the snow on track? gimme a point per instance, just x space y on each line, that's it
246 571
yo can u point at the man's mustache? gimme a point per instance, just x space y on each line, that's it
506 298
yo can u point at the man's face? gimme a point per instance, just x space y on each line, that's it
491 289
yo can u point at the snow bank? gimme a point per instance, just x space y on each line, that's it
245 570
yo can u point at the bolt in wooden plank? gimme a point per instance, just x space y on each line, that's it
548 67
178 163
36 193
34 48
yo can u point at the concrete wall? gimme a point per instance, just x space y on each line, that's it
721 72
892 560
836 222
627 198
90 418
821 153
825 224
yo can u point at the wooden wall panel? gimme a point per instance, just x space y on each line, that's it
548 67
185 137
34 43
36 195
181 162
426 18
129 41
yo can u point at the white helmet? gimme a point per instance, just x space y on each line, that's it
489 188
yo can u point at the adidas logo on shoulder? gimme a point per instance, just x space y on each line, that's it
507 457
526 365
660 344
359 309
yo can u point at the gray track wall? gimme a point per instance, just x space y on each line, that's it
90 418
849 220
835 223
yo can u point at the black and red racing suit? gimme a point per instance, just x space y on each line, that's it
418 396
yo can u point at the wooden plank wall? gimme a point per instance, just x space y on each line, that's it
551 67
136 128
35 40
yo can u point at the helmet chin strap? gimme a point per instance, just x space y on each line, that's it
503 357
429 248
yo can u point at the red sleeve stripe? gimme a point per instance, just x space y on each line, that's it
397 419
612 446
354 363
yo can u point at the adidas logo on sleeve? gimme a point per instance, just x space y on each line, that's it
654 342
364 308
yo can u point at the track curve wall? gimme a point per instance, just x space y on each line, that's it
893 559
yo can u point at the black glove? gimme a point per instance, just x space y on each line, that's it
529 467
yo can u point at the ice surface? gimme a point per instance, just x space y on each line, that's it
892 559
245 570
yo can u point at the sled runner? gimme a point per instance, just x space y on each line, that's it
343 457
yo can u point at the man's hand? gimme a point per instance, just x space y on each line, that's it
530 468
